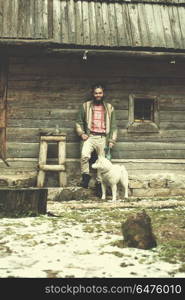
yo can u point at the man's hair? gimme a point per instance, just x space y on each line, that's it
97 86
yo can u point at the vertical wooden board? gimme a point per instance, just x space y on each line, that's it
31 20
106 26
151 25
181 15
86 28
1 17
143 26
71 21
112 22
99 24
167 26
135 28
78 22
44 28
9 23
21 19
123 28
38 19
6 19
175 26
160 41
27 12
58 34
14 18
92 23
63 36
50 19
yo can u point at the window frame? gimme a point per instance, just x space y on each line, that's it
143 125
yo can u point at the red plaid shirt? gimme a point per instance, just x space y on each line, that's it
98 119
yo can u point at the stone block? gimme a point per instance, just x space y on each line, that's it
78 193
177 192
151 192
157 182
137 183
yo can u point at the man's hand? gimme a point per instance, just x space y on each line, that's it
111 145
84 137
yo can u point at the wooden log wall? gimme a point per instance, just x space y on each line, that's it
47 91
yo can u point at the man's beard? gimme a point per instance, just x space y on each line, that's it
98 102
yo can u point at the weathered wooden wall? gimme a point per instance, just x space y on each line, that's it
119 23
24 19
46 91
107 23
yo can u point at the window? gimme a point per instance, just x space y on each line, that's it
143 113
143 110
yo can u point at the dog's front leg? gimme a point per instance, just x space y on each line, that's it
114 191
103 187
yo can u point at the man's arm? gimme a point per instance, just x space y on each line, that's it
113 129
80 122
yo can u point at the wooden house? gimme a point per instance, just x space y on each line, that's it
52 51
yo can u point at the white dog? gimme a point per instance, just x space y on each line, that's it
111 175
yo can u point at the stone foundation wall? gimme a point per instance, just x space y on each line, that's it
147 185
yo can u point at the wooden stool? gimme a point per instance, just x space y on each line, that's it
43 167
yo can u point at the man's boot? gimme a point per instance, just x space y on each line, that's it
98 189
85 180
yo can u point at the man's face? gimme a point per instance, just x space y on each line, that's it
98 94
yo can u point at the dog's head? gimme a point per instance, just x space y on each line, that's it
102 164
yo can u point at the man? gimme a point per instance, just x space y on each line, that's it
96 125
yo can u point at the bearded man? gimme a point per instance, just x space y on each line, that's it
96 125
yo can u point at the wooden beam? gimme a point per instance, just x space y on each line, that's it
52 167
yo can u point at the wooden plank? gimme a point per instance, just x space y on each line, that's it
32 135
86 27
15 19
113 24
175 26
55 168
173 116
38 18
22 19
64 21
134 22
61 153
160 40
181 12
124 36
1 18
28 113
42 160
167 27
92 22
151 22
6 22
121 150
142 25
79 22
166 125
50 19
71 22
106 25
99 24
54 138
